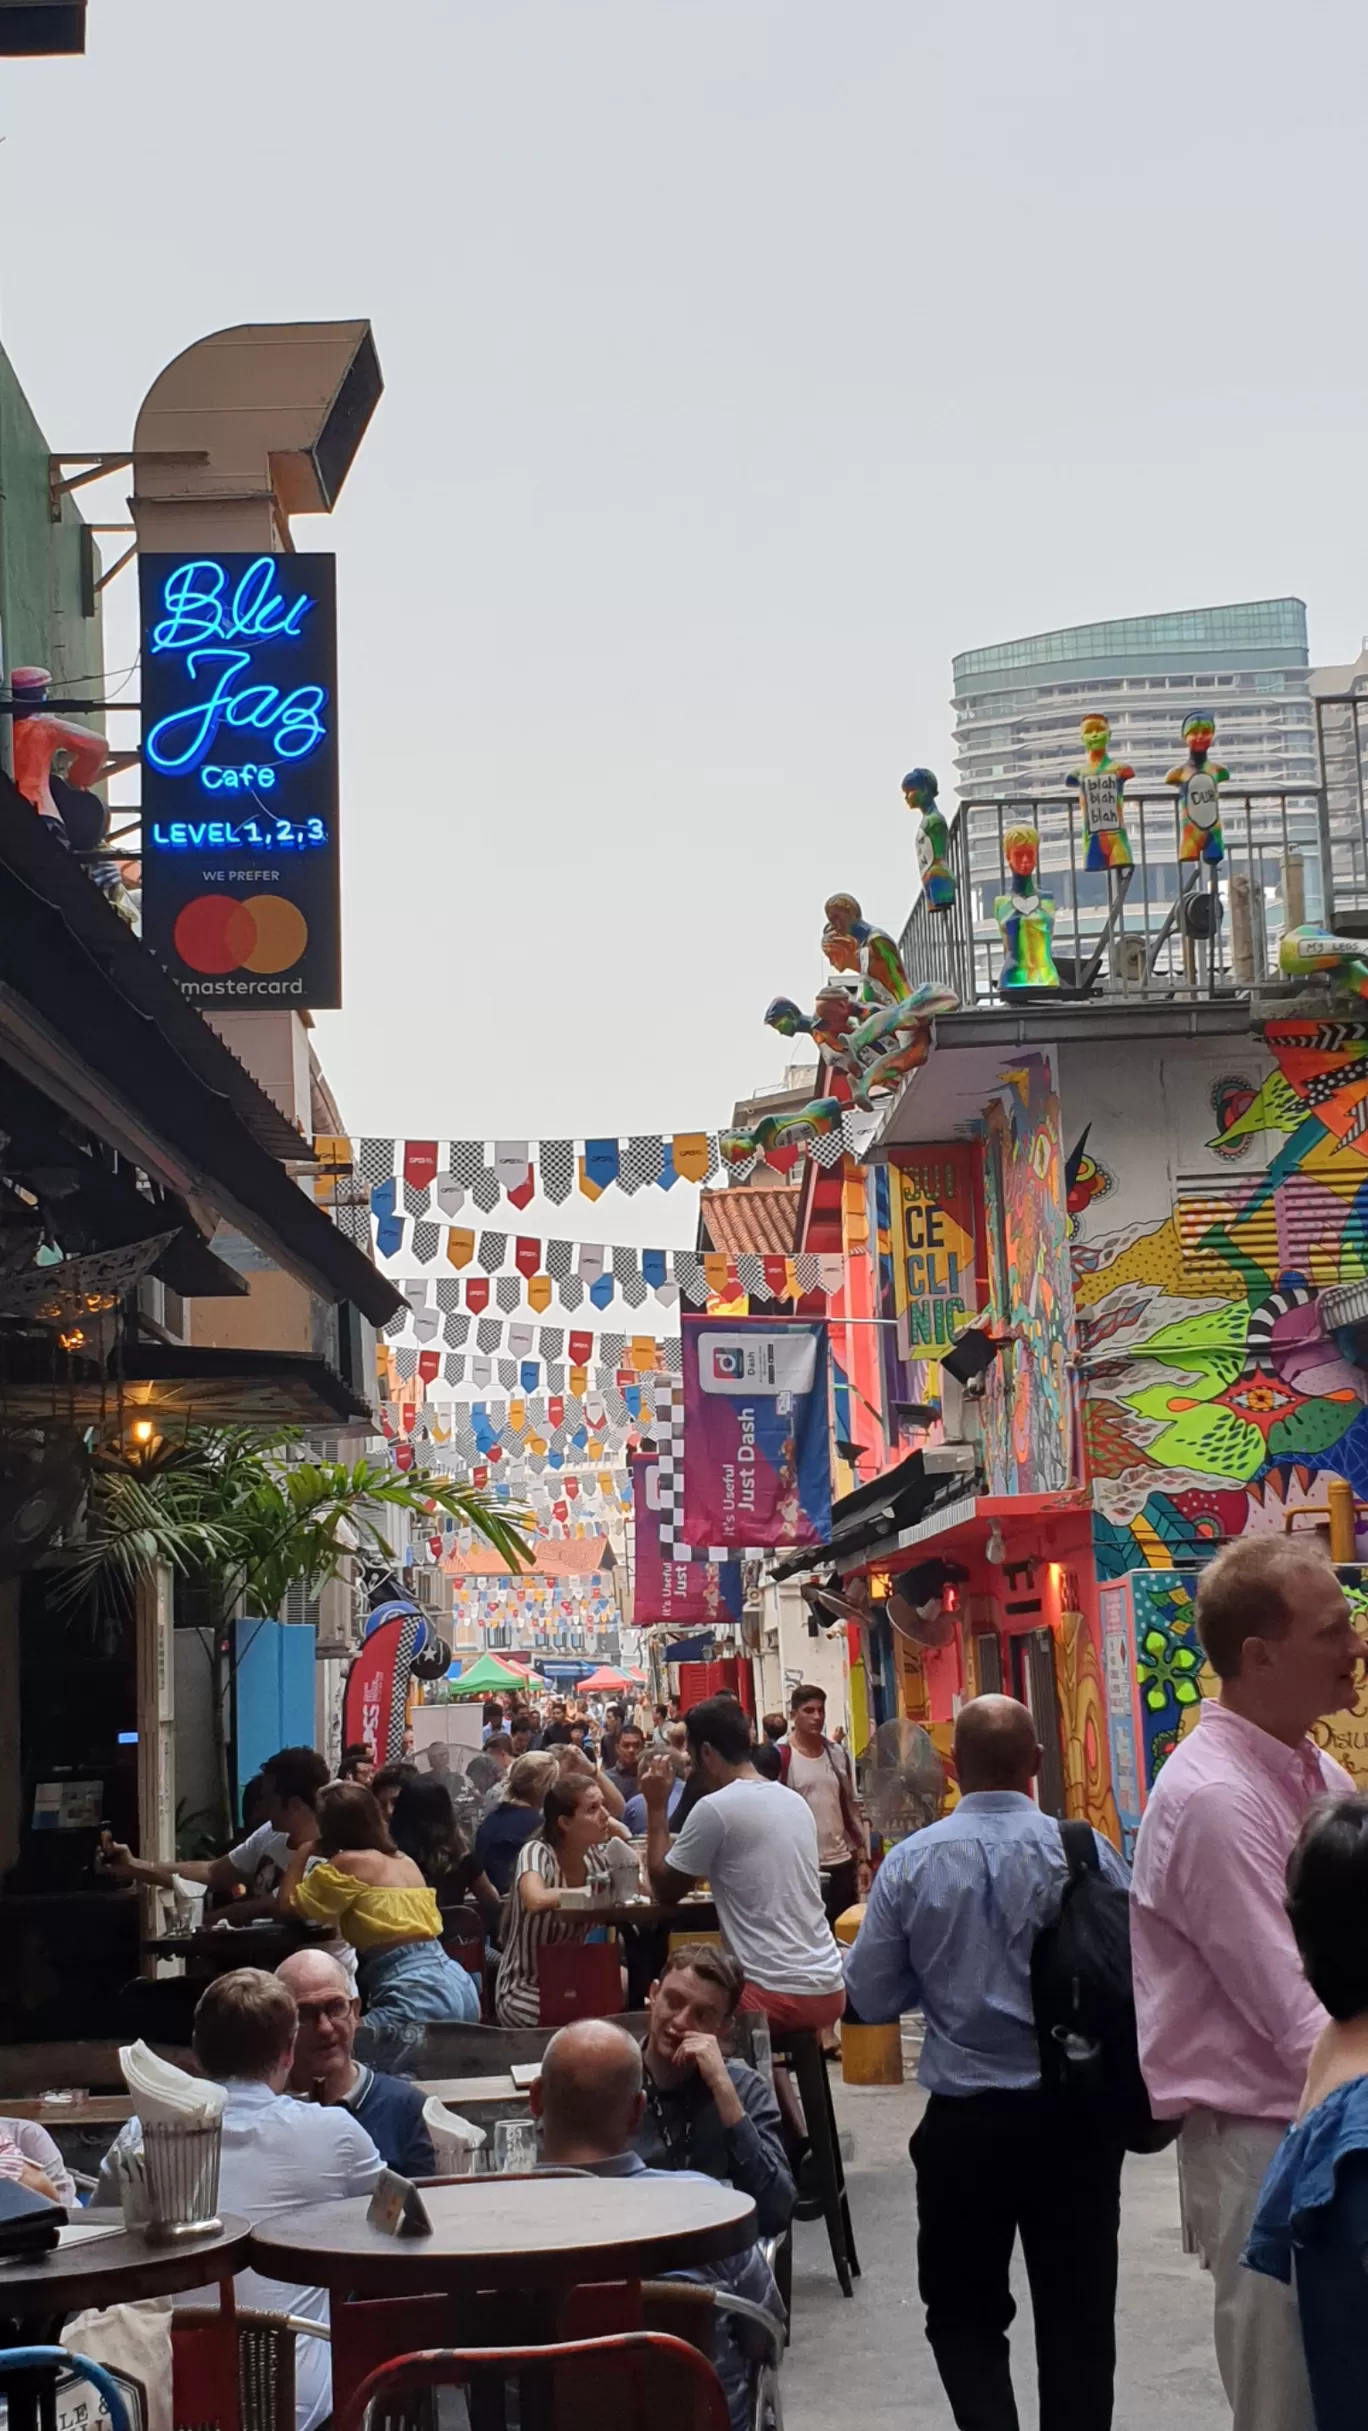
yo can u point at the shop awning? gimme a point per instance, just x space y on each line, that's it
866 1525
958 1525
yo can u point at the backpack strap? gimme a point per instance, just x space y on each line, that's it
785 1751
1080 1850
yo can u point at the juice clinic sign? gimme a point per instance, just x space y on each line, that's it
935 1288
241 890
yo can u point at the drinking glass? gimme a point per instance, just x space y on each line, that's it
515 2145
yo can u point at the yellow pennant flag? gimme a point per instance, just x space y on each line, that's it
715 1267
539 1292
588 1189
605 1481
334 1156
643 1354
691 1155
791 1290
536 1445
579 1382
718 1307
517 1417
460 1245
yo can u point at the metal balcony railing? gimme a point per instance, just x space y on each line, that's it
1166 929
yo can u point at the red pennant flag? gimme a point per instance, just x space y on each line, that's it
479 1477
572 1487
420 1163
555 1410
429 1366
477 1293
581 1349
496 1451
526 1190
403 1456
776 1275
435 1547
409 1416
526 1256
561 1510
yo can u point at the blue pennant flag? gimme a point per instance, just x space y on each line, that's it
601 1162
632 1397
667 1177
383 1197
653 1267
528 1374
580 1439
389 1236
601 1292
555 1460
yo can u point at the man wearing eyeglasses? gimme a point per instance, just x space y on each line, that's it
390 2108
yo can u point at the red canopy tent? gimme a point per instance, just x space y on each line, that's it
605 1679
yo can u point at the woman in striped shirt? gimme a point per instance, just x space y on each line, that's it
566 1854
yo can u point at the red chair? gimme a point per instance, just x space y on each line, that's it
638 2381
578 1979
234 2369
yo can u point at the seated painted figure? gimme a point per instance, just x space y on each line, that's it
1310 952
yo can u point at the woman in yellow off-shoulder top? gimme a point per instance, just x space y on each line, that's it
353 1878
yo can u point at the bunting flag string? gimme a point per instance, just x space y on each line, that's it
592 1271
436 1178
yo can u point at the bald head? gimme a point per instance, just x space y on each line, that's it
995 1745
314 1975
588 2096
324 1995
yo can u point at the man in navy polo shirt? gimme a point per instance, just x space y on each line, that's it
390 2108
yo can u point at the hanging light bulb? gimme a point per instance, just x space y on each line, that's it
995 1550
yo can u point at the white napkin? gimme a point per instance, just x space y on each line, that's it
455 2141
164 2096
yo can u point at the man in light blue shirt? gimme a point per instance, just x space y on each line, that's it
949 1929
277 2152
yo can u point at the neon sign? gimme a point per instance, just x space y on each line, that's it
240 775
202 612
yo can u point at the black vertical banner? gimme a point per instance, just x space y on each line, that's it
241 892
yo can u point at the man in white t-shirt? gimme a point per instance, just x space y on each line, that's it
292 1781
819 1770
756 1844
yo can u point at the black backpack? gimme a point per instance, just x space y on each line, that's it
1084 2004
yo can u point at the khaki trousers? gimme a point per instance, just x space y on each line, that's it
1221 2166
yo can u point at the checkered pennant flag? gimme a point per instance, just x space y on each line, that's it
603 1378
508 1373
560 1259
394 1735
425 1240
555 1376
375 1161
536 1409
611 1348
454 1369
556 1169
634 1290
617 1407
492 1250
570 1291
465 1442
750 1274
827 1150
406 1365
448 1293
508 1291
417 1198
466 1162
551 1342
640 1161
488 1334
398 1325
486 1190
456 1330
807 1271
625 1265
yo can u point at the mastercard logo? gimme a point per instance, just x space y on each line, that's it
217 933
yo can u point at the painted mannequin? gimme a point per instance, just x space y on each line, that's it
61 794
1100 783
1198 800
1025 917
852 943
933 838
1311 953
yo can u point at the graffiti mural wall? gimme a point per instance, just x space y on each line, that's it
1028 1429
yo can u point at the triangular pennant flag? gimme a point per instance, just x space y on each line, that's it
429 1366
420 1163
694 1155
791 1286
556 1159
539 1293
425 1238
389 1236
527 1377
383 1197
449 1195
525 1191
714 1265
579 1378
460 1245
831 1269
555 1411
477 1292
653 1267
493 1250
519 1340
510 1163
425 1325
777 1275
601 1292
600 1163
589 1188
508 1292
526 1255
643 1353
589 1264
581 1348
415 1291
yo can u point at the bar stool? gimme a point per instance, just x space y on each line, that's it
801 2048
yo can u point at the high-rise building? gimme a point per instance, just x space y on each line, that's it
1018 704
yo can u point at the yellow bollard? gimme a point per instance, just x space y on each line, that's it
870 2055
1343 1541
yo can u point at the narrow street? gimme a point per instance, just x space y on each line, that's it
867 2360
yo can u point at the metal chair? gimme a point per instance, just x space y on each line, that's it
800 2049
639 2380
234 2369
26 2404
686 2308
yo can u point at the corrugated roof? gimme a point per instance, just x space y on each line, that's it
758 1216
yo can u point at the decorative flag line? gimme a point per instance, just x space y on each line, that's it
423 1369
423 1174
594 1270
420 1322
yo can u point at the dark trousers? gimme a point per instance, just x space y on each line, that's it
841 1890
990 2167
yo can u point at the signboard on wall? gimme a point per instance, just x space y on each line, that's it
241 894
934 1280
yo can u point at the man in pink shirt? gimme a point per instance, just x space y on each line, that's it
1226 2016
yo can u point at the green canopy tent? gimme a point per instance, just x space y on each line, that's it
487 1677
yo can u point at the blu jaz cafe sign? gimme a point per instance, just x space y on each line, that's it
239 783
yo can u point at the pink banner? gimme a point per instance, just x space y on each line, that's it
757 1461
668 1590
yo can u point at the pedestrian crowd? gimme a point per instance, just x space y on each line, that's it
1212 1994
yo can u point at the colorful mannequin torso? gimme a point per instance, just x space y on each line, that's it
933 838
1026 917
1100 784
1200 838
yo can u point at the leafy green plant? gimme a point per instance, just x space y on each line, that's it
250 1517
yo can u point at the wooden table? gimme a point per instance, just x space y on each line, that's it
539 2235
38 2296
260 1944
647 1914
92 2110
467 2092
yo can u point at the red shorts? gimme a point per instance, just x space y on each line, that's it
790 2010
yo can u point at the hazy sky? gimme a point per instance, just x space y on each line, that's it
744 359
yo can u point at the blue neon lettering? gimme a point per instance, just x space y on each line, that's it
226 835
193 596
203 620
296 716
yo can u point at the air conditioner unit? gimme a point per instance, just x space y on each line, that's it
961 1414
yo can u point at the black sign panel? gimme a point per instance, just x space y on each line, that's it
239 778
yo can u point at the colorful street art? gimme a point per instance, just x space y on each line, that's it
1027 1417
